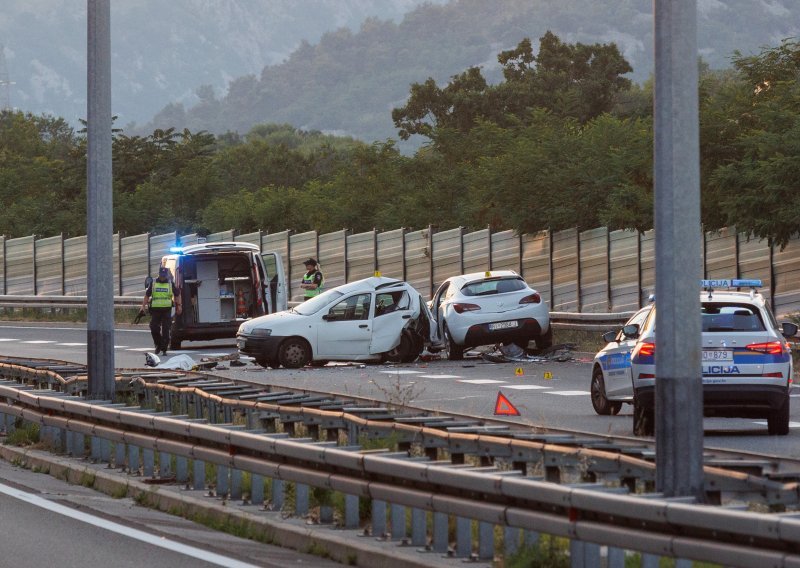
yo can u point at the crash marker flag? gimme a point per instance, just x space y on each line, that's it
519 372
503 406
548 375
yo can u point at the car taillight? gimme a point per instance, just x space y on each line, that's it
646 376
645 349
461 308
770 348
774 375
534 298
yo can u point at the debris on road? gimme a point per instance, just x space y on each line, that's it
513 353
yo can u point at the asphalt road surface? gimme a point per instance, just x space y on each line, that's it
47 522
465 387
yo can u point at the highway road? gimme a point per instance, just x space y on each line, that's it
47 522
466 387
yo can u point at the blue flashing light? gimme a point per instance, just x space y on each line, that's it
731 283
177 250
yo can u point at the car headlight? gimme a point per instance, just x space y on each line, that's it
261 332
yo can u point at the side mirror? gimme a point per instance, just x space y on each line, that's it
610 336
788 329
631 330
147 282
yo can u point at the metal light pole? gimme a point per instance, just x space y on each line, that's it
99 230
679 391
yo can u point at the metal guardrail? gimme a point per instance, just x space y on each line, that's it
588 515
11 301
562 320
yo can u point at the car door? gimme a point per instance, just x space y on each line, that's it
437 306
274 283
346 329
391 314
617 362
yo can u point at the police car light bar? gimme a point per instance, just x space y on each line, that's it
731 283
176 250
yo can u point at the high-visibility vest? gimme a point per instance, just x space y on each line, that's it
309 279
161 296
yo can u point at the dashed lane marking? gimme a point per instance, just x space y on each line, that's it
481 381
8 339
526 387
402 372
440 377
569 393
72 344
38 341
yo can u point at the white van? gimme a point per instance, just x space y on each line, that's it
221 285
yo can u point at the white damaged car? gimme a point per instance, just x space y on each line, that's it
373 319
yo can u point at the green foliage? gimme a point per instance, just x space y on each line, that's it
550 551
25 434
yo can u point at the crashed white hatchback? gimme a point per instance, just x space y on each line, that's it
373 319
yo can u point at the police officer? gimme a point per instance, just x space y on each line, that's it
160 296
312 280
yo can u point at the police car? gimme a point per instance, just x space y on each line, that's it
746 360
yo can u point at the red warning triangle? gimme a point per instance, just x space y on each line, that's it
503 406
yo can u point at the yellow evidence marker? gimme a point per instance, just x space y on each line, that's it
519 372
548 375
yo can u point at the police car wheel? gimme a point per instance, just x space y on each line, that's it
778 420
600 402
644 423
294 353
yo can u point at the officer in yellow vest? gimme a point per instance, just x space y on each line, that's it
159 297
312 280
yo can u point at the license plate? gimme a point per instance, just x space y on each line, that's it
503 325
240 343
717 355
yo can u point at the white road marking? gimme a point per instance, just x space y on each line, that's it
569 393
38 341
8 339
120 347
72 344
764 423
123 530
525 387
440 377
482 381
141 349
402 372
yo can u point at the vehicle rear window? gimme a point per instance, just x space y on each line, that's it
721 317
494 286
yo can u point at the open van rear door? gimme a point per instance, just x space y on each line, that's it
275 281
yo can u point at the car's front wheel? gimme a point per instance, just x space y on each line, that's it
600 401
778 420
454 351
294 353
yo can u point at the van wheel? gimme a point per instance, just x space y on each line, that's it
778 420
644 419
600 402
294 353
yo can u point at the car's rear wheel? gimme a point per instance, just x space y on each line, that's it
294 353
644 419
600 401
454 351
406 351
778 420
546 339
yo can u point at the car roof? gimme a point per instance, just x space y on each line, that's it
474 276
370 284
731 296
222 246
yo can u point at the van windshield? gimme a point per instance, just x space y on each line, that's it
316 303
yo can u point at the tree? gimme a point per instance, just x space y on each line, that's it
570 80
